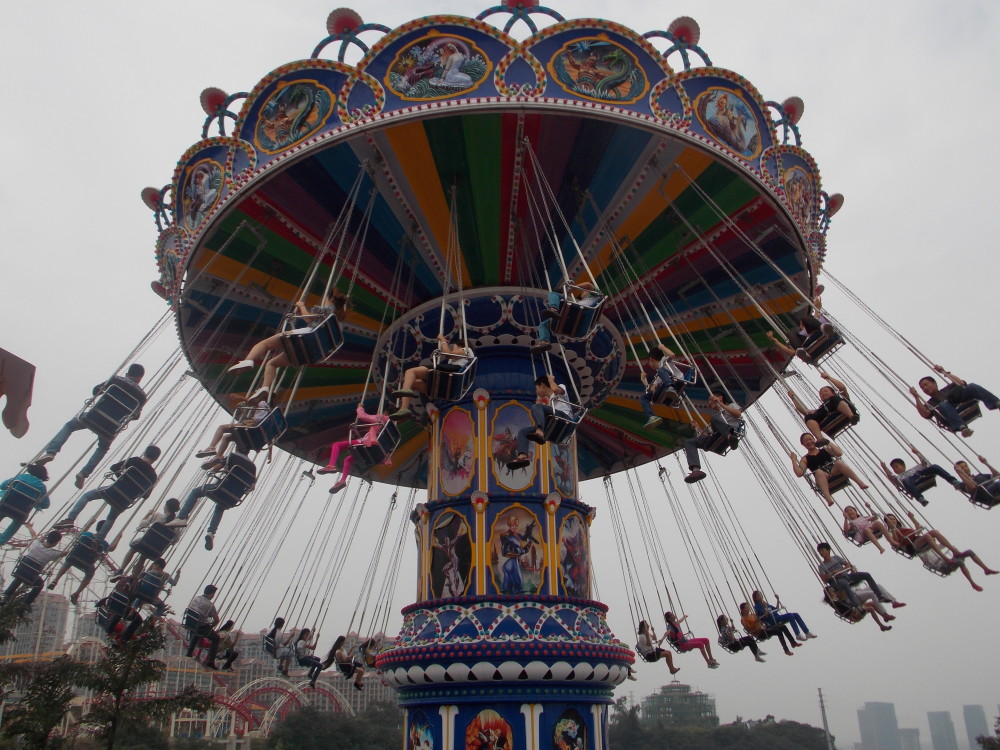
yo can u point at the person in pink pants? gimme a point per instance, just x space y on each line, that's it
370 437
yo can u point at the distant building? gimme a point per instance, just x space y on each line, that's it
42 635
677 706
879 730
909 739
942 730
975 724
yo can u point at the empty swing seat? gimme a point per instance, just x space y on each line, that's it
375 454
719 444
132 484
451 376
18 500
577 318
311 345
256 437
234 483
113 408
154 541
969 411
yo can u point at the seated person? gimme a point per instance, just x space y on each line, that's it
131 383
824 463
350 667
813 326
132 473
730 639
208 617
945 401
725 422
31 487
834 399
840 575
668 379
270 350
677 637
585 293
40 553
652 653
869 604
415 378
909 479
915 540
151 584
984 488
282 649
863 528
85 555
753 625
227 645
771 616
223 433
550 399
304 656
232 473
375 423
162 517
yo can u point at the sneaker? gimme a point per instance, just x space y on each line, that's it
260 393
761 652
541 347
923 502
338 487
405 393
79 480
811 635
889 618
51 586
45 458
897 605
734 441
757 658
713 664
653 422
401 416
536 438
550 313
328 469
358 687
66 523
241 366
966 433
631 676
209 543
695 476
74 598
205 453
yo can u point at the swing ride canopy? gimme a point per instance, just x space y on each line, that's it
585 150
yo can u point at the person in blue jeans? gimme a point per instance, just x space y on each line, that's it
550 399
130 382
771 617
30 487
945 401
236 477
668 378
589 296
909 479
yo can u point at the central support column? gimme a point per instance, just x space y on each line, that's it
503 649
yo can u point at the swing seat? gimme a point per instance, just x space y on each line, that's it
106 620
646 655
84 554
855 537
451 376
129 486
311 345
256 437
926 482
835 482
149 588
933 562
191 621
233 483
982 496
719 444
154 541
19 500
823 346
728 645
372 455
577 318
969 411
28 571
669 394
269 646
835 423
559 427
841 608
113 408
119 603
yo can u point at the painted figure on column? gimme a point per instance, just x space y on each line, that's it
573 556
514 547
420 736
570 732
488 731
452 555
458 451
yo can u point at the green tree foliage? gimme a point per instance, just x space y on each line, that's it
379 728
46 700
119 674
991 743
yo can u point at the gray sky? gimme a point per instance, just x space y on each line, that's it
102 99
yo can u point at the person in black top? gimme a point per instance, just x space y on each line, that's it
945 401
129 383
824 463
834 399
135 477
235 479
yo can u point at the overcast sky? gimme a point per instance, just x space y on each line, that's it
101 99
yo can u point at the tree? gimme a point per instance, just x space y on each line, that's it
46 700
378 728
117 676
991 743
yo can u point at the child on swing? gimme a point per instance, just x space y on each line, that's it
375 423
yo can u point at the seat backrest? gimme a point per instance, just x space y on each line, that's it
191 620
234 483
154 542
149 587
257 437
27 570
311 345
577 319
445 384
19 499
134 482
114 407
372 455
268 644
